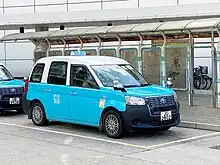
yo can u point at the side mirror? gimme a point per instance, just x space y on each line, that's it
25 79
118 86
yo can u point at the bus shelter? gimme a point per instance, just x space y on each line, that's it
155 49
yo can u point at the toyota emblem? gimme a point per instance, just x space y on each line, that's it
13 90
163 101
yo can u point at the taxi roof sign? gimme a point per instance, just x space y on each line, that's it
78 53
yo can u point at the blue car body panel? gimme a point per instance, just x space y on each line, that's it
85 105
11 83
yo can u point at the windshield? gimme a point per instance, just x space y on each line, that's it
125 74
5 74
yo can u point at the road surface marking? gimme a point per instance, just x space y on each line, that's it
117 142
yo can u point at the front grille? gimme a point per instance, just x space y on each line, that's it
164 103
11 92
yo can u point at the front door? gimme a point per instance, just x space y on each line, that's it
84 97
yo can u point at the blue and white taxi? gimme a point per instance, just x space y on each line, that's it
11 91
100 91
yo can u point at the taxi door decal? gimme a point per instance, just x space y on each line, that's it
101 103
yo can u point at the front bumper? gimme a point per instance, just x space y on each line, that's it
5 105
141 117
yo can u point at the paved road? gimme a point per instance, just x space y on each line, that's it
21 143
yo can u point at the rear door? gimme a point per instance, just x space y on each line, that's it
56 90
52 92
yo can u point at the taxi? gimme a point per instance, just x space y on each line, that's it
11 91
99 91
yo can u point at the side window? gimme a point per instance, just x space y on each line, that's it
37 73
81 77
57 73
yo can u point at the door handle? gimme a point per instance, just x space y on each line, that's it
47 90
72 93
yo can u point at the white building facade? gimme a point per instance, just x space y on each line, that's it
20 54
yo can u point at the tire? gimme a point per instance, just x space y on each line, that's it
204 84
209 81
113 125
197 82
38 114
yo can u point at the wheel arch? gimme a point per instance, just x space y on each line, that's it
105 110
31 103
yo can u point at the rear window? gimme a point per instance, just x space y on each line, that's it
37 73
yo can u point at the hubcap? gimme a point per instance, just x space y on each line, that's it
37 114
111 124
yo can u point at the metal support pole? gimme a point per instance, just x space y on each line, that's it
214 70
99 46
64 47
140 62
163 62
35 44
118 47
191 68
49 47
81 43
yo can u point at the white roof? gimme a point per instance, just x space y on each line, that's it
116 16
85 60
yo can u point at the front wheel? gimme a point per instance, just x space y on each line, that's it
113 124
38 114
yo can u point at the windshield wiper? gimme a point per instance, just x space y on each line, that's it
144 85
131 86
6 79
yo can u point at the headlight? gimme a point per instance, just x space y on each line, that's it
134 100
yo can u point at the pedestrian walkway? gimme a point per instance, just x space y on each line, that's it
201 113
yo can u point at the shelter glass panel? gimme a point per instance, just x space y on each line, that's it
108 52
151 64
130 55
2 52
55 53
176 66
39 55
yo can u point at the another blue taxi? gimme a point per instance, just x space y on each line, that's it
100 91
11 91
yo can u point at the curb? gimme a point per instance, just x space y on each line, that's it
201 126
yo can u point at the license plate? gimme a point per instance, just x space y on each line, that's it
165 116
14 101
